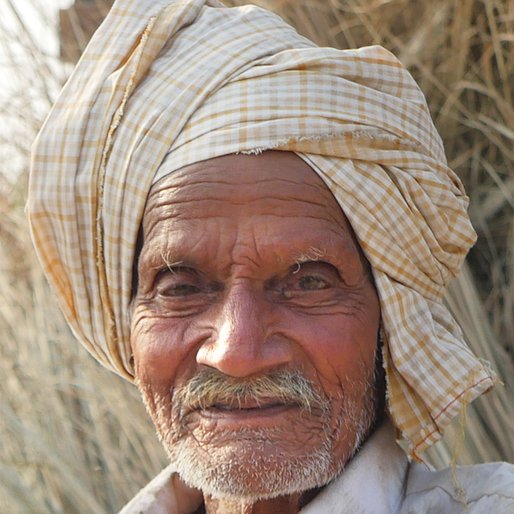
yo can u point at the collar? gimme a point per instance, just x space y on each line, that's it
372 483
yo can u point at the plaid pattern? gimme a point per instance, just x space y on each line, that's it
167 83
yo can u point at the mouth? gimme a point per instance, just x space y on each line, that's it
246 410
246 404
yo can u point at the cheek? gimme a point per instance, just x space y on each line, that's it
339 347
161 347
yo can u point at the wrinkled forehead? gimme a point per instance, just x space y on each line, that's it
274 180
249 181
275 188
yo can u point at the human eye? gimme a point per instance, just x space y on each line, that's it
312 276
307 281
312 283
179 282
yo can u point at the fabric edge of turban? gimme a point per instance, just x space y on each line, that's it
482 379
485 381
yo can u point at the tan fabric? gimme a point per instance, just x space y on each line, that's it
168 83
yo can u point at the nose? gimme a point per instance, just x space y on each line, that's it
244 342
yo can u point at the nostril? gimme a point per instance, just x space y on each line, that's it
229 357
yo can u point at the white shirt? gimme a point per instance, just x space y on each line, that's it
379 480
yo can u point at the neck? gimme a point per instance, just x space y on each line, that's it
281 505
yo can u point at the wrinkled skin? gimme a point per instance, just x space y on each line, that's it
249 266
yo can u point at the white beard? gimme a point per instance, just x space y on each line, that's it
253 464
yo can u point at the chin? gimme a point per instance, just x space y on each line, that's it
259 464
253 467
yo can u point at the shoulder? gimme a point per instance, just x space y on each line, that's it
468 489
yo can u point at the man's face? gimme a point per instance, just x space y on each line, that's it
254 326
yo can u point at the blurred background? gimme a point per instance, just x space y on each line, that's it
74 438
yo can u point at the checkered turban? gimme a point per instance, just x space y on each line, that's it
166 83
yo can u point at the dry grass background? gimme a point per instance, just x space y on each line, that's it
73 437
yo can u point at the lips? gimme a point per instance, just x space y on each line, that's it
248 405
246 412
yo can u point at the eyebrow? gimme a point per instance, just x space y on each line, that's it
169 260
313 253
289 252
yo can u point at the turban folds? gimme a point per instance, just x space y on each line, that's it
166 83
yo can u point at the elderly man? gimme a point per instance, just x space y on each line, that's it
258 232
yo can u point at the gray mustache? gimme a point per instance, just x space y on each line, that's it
209 387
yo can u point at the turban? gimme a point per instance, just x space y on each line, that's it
167 83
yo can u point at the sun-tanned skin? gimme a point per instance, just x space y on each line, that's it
248 266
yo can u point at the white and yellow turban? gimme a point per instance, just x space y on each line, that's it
166 83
